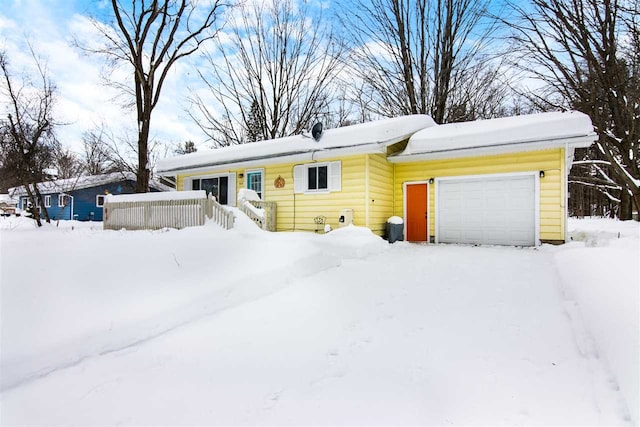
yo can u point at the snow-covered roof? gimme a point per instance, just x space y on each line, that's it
6 199
502 135
371 137
78 183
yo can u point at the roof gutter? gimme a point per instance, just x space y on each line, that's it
297 155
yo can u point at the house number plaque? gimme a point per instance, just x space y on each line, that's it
279 182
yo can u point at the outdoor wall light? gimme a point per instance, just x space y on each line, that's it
541 174
431 180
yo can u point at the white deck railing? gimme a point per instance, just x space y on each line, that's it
267 219
156 214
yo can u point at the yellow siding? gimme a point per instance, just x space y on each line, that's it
552 186
373 188
297 211
379 197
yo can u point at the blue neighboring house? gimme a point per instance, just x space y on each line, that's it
82 198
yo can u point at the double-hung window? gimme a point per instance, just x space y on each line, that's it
100 200
317 178
47 201
63 200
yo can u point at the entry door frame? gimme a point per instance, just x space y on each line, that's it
536 180
404 204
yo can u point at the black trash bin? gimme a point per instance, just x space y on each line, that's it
395 229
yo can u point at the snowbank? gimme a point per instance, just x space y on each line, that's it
600 271
202 326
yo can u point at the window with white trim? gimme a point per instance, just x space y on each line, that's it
47 201
100 200
255 181
63 200
317 177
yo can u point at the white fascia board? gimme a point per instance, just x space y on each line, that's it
489 150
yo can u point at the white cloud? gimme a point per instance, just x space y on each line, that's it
83 100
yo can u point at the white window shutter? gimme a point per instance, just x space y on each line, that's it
335 171
186 184
299 179
231 189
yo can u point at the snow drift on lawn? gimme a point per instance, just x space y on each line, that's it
205 326
600 271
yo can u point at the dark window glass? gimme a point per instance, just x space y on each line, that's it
210 185
222 188
313 178
322 178
195 184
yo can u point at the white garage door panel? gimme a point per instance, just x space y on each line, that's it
497 210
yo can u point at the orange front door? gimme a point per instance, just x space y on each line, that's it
417 209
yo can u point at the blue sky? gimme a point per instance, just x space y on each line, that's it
83 101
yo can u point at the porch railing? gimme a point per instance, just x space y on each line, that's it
156 214
266 218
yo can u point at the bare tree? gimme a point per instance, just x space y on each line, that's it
28 138
586 52
272 75
151 37
67 163
423 56
101 154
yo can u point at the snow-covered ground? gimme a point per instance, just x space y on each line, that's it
205 326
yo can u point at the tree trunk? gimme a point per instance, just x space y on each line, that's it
43 208
143 175
636 206
625 205
33 209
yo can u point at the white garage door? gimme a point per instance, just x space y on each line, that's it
492 210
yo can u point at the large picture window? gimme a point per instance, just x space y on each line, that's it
218 187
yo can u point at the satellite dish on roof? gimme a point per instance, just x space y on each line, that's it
316 131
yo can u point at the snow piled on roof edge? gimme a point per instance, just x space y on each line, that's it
530 128
385 131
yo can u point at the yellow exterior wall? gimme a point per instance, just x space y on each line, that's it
379 197
552 186
373 188
296 212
